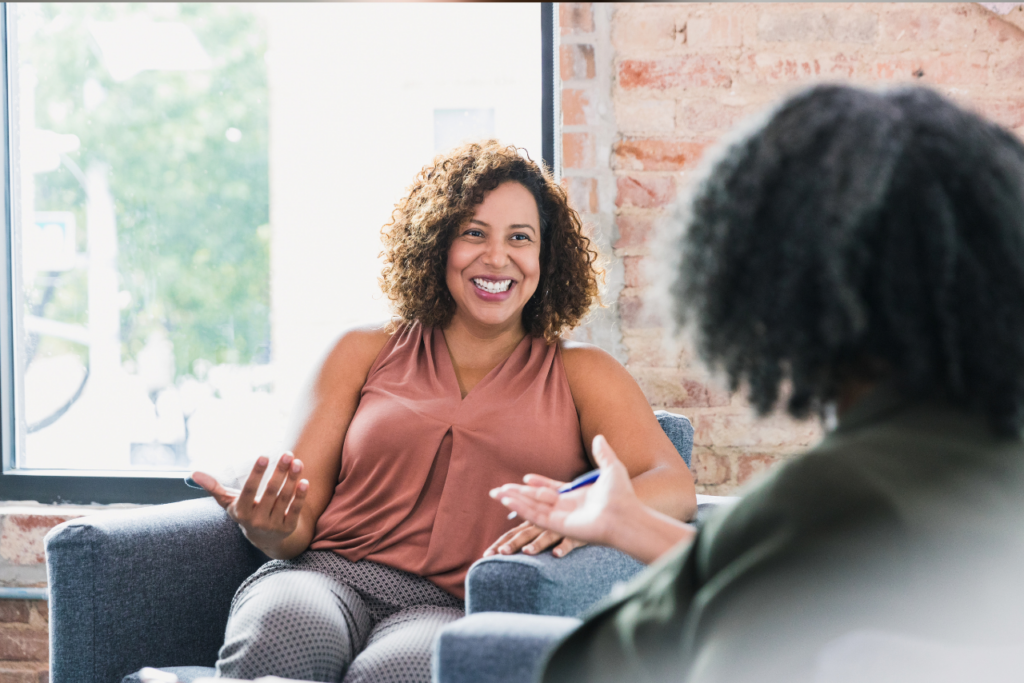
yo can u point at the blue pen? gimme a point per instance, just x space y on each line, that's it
580 481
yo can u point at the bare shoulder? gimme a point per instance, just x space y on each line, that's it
353 353
586 364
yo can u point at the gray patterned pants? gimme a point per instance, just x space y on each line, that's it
320 617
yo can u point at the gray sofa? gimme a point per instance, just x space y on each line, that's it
152 587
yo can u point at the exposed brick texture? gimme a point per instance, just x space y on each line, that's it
655 155
575 17
645 191
578 150
576 61
24 646
682 76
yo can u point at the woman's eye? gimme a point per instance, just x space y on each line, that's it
520 238
473 233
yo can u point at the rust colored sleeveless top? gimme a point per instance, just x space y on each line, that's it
418 459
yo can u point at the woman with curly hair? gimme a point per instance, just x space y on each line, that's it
858 254
374 520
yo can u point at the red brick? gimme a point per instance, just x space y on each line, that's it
645 192
1008 113
744 430
1002 30
709 467
749 465
705 116
718 31
656 155
646 29
43 608
578 150
14 611
766 67
841 26
634 230
576 61
635 315
689 71
24 672
23 644
645 115
635 271
575 17
647 349
21 537
675 389
582 193
576 109
923 24
963 69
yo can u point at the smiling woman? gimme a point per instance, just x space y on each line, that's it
382 506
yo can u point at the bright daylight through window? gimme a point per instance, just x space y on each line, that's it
197 196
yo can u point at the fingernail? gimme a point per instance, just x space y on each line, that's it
303 485
493 493
296 467
262 461
506 501
557 552
287 458
504 550
529 550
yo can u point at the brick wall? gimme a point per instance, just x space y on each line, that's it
647 87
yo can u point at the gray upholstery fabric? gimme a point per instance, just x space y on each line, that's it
545 584
142 587
679 431
496 648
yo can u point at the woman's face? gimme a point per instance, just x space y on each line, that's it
494 261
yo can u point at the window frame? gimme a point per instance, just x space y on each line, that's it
83 487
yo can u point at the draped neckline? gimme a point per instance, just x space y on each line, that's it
447 368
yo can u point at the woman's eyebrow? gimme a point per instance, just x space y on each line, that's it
514 225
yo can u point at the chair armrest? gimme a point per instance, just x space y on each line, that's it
143 587
493 647
544 584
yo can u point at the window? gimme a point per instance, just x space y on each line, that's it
194 199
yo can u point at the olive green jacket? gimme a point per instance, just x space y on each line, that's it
907 518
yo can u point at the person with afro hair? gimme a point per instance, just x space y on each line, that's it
857 256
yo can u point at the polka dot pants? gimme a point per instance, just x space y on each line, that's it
320 617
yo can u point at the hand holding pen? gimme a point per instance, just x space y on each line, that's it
583 509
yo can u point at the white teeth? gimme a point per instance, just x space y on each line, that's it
492 286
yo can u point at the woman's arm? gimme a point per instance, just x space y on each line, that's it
281 523
609 402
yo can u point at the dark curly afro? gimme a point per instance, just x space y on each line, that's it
862 235
443 198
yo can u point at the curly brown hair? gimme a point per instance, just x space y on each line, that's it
443 198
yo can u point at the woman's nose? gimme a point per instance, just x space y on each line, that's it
496 254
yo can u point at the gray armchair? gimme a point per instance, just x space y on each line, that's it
152 587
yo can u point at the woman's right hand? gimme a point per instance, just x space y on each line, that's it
589 514
269 520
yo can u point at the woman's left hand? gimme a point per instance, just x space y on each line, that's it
530 538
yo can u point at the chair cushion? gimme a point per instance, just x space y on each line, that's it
543 584
496 647
679 431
